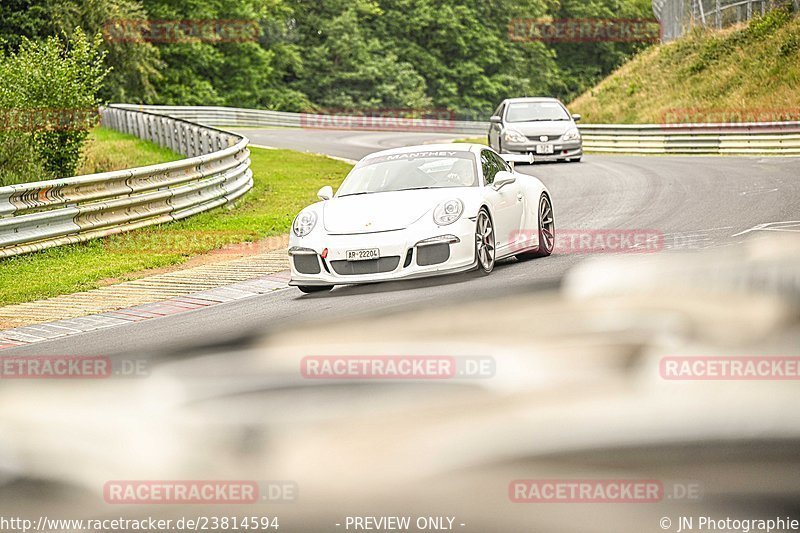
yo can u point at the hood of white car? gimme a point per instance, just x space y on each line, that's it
383 211
550 128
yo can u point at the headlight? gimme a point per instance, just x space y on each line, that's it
514 136
572 134
448 212
304 223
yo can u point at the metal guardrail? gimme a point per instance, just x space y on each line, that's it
781 138
234 116
709 139
40 215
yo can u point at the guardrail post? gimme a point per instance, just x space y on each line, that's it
149 123
163 133
181 138
176 137
198 141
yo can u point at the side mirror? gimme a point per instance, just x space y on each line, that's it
502 179
576 118
495 119
325 193
517 158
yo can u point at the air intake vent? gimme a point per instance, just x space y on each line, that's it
408 258
433 254
306 263
373 266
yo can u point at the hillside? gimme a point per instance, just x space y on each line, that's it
741 74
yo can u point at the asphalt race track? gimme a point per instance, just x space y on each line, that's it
697 202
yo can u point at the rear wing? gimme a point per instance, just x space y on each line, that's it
517 158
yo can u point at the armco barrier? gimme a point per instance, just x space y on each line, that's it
39 215
234 116
709 139
776 138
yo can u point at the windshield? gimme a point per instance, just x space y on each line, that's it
409 171
536 112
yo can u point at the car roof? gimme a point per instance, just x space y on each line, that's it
442 147
532 99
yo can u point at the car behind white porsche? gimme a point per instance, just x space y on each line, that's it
420 211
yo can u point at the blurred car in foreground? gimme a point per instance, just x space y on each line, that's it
576 395
420 211
541 126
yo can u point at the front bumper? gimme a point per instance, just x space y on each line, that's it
401 255
561 149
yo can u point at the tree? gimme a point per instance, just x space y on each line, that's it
49 96
135 64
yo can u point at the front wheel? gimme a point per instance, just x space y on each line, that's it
484 242
309 289
547 231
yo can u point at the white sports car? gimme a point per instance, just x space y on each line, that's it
421 211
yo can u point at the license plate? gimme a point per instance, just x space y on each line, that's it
544 149
363 255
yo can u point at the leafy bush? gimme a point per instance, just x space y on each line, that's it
19 162
48 99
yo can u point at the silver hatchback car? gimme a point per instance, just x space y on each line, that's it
541 126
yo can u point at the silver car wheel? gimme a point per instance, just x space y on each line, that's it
547 225
484 242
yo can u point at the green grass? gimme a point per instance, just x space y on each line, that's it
738 74
285 182
473 140
108 150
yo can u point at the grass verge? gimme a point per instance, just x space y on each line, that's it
285 182
742 74
108 150
473 140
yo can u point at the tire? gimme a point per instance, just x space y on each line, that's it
576 160
484 242
310 289
547 228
